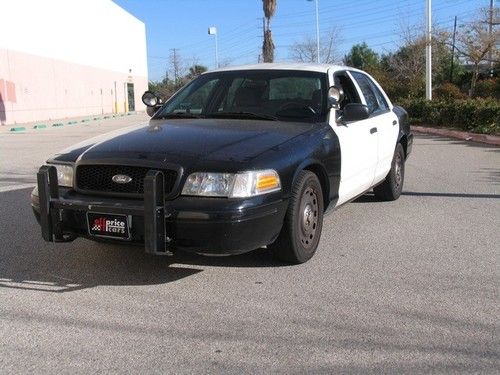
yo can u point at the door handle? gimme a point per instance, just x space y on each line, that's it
373 130
394 122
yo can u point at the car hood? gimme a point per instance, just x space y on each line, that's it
188 141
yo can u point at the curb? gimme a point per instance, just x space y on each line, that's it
465 136
39 126
18 129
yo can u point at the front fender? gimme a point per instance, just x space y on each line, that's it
325 162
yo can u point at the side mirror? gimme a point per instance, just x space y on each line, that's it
335 96
355 112
150 99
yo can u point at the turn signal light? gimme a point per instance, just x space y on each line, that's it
267 182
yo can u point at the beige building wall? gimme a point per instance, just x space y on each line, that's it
68 58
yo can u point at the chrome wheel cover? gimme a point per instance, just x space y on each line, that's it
398 170
308 217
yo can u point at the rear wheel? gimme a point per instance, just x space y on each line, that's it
301 230
391 188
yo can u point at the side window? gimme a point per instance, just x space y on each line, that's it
373 96
382 103
367 90
350 91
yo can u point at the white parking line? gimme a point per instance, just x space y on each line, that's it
3 189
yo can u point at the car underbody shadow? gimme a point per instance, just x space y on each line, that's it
367 198
256 258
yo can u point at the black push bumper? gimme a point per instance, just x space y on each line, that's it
209 225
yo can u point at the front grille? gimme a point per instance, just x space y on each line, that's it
98 179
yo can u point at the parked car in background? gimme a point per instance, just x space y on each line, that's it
240 158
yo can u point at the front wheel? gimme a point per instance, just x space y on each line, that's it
301 230
391 188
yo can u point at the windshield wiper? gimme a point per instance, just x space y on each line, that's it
179 115
259 116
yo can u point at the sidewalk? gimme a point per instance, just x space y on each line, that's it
73 121
465 136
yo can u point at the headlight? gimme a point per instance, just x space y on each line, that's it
64 174
238 185
209 184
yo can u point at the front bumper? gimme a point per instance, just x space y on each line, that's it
206 225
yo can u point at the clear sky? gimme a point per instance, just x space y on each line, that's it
183 24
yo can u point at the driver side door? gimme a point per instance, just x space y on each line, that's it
358 143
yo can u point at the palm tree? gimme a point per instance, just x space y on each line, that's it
269 7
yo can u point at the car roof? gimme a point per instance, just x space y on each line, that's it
311 67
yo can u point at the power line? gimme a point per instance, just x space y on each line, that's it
363 22
238 36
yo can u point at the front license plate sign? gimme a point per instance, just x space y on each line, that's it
106 225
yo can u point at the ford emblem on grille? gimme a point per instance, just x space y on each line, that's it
121 178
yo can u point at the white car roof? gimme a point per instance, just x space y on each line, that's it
322 68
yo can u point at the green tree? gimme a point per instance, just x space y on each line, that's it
362 57
196 70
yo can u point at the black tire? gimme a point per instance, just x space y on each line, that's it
391 188
299 237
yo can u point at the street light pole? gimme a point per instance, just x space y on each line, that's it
490 31
213 31
428 51
317 30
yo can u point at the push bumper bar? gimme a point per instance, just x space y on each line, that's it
153 209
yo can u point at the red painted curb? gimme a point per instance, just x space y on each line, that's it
465 136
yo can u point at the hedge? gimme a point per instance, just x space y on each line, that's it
474 115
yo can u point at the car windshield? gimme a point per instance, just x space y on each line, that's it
251 94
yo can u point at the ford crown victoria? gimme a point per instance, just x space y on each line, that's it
238 159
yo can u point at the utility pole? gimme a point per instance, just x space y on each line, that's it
428 50
175 63
453 50
490 31
317 30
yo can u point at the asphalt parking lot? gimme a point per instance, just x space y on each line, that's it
408 286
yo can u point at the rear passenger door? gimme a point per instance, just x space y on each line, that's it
382 119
